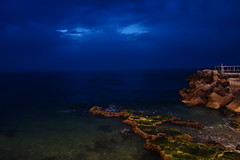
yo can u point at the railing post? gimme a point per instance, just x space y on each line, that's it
222 68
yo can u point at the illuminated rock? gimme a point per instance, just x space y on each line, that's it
234 106
211 89
171 144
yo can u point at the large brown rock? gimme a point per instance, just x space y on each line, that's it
201 93
183 93
214 105
206 87
212 89
191 84
215 73
234 105
215 78
235 92
215 99
195 100
226 99
199 84
219 90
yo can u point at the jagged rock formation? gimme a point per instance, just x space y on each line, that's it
212 89
170 143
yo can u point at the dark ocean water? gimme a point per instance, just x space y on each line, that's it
37 121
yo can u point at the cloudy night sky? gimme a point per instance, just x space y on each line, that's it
62 35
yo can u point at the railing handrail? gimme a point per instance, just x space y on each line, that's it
228 69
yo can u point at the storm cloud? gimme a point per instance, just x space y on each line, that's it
41 35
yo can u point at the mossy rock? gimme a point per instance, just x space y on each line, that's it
171 143
179 149
150 120
230 156
154 130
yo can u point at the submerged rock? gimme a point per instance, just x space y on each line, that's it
126 132
171 144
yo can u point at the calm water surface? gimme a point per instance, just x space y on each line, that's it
37 122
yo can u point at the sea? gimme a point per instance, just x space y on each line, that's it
44 115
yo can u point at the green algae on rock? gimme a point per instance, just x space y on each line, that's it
171 144
178 148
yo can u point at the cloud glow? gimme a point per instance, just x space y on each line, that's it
134 29
81 30
62 30
74 32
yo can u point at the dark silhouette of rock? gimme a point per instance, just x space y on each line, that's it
238 147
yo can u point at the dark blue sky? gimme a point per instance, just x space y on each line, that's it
50 35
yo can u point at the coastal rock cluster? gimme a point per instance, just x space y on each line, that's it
213 89
170 143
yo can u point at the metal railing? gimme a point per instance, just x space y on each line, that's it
228 69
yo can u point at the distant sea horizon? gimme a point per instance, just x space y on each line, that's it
104 69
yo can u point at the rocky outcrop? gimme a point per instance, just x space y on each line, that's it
212 89
99 111
170 143
192 124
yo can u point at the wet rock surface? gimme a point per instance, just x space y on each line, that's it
126 132
170 143
235 123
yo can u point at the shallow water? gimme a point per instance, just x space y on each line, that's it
37 121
